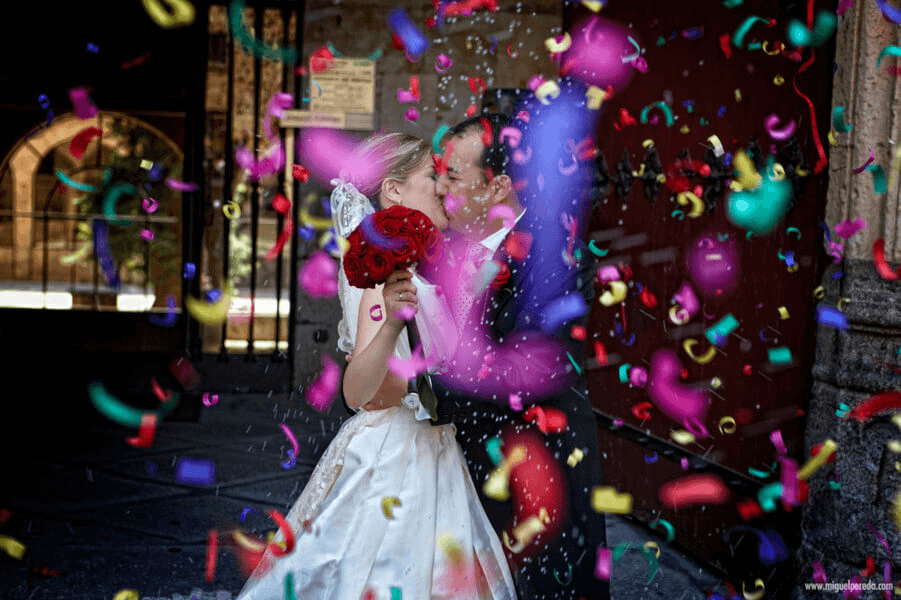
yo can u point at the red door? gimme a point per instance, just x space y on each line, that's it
759 296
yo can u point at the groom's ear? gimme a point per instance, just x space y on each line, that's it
390 192
500 189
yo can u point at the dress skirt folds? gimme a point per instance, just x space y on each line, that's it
438 545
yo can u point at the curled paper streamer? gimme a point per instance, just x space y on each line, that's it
286 54
84 108
443 63
285 529
171 316
81 187
604 565
694 489
874 405
295 447
738 38
182 13
888 51
115 410
209 314
663 106
387 503
547 91
322 391
862 167
779 134
882 266
838 120
80 142
146 432
181 186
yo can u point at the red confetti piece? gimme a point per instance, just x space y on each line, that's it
301 173
518 244
725 44
548 420
694 489
647 298
164 396
146 432
487 133
882 266
816 450
321 59
477 85
642 410
874 405
80 142
871 567
281 204
749 509
600 354
212 548
282 240
577 332
5 514
283 526
471 110
823 161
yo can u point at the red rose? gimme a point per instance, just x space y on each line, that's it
502 277
378 266
353 261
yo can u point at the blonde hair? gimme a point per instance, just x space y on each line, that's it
386 156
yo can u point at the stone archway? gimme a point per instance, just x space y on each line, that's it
26 156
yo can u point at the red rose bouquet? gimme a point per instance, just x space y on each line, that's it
390 240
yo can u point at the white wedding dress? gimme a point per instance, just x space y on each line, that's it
353 546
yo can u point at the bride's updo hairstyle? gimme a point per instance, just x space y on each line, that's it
385 156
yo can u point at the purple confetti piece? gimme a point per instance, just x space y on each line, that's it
847 228
195 471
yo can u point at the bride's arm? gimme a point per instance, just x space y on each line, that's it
367 378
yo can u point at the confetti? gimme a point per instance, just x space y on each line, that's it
80 142
607 499
12 547
84 108
195 471
663 106
251 44
182 13
387 503
322 391
146 432
882 266
779 134
694 489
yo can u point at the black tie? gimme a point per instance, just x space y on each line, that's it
423 386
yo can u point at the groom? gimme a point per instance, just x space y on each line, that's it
474 177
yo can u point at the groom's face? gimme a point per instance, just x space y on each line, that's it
464 189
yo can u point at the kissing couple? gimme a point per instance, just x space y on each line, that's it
475 502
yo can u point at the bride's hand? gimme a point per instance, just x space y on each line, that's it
399 292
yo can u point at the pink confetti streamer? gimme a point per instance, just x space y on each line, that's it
864 166
279 103
779 134
881 539
319 275
790 494
322 391
846 228
412 114
819 575
181 186
776 438
271 163
84 108
411 367
443 63
604 566
291 438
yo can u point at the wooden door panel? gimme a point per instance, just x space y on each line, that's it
760 396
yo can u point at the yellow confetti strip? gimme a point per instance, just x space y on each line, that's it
607 499
727 425
717 145
12 547
595 96
387 503
127 595
783 313
819 293
182 14
737 95
757 594
648 143
682 437
685 129
697 206
548 89
232 210
689 344
831 136
842 302
496 485
748 177
593 5
575 457
451 549
895 446
778 79
652 546
815 462
615 295
556 47
209 314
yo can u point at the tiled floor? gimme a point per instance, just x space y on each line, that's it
113 517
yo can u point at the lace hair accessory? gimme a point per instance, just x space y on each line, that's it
349 208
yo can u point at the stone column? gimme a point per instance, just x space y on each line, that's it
834 523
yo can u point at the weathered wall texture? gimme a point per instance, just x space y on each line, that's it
361 27
847 370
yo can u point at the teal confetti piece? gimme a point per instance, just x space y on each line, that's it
878 178
333 50
597 251
779 356
624 372
651 557
838 120
670 530
573 361
738 38
493 447
835 485
437 138
758 473
81 187
375 55
722 329
732 3
888 51
289 587
768 494
395 593
661 40
667 112
619 550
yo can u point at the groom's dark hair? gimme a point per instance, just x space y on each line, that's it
495 156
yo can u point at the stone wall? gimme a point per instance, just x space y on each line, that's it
835 521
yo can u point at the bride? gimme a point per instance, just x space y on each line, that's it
390 510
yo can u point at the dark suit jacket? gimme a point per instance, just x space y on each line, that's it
507 314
